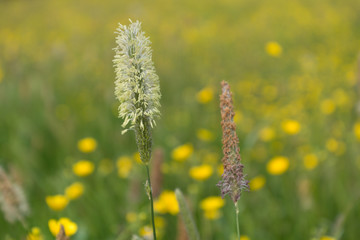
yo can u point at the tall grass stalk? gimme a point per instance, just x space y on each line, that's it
233 180
138 90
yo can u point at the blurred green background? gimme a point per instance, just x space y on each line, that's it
292 66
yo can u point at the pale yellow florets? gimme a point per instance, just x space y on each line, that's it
137 85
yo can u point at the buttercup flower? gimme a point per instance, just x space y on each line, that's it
273 49
124 166
83 168
74 191
182 152
291 127
310 161
205 95
211 206
357 130
204 135
57 202
69 226
257 183
87 145
201 173
35 234
167 203
278 165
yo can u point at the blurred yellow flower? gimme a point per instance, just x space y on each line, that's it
35 234
87 145
267 134
137 158
238 117
69 226
205 95
182 152
357 130
332 145
167 203
105 166
310 161
145 231
83 168
57 202
278 165
74 191
204 135
273 49
244 237
124 166
131 217
327 238
202 172
327 106
211 206
291 127
257 183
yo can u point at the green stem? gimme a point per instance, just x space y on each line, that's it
151 202
237 220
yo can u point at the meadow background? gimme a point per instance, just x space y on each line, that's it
292 66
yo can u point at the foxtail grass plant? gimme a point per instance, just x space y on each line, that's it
138 90
233 180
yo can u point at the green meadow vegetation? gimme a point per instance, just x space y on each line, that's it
294 72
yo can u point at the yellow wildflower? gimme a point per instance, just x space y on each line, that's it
273 49
267 134
57 202
167 203
205 135
257 183
137 158
357 130
87 145
201 173
332 145
105 166
124 165
238 117
74 191
278 165
35 234
131 217
83 168
291 127
310 161
244 237
182 152
327 106
69 226
145 231
211 206
205 95
327 238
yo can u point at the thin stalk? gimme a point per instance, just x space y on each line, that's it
151 202
237 220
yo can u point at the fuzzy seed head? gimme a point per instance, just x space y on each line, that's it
137 85
233 180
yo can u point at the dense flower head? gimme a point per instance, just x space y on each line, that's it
137 84
233 180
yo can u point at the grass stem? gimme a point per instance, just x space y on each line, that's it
237 220
151 202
